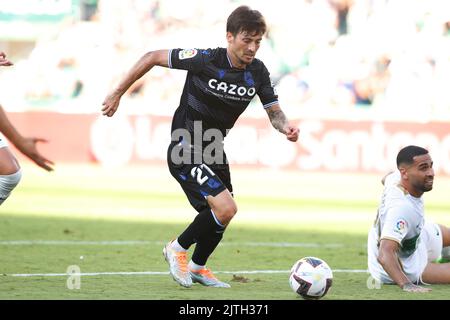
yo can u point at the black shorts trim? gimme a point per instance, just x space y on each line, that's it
199 181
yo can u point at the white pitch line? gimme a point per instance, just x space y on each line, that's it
143 242
75 242
153 273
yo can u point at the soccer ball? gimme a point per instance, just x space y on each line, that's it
311 278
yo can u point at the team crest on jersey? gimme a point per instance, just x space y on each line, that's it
187 54
400 226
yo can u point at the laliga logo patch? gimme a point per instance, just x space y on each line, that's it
400 226
187 54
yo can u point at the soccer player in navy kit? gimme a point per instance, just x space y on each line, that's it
219 86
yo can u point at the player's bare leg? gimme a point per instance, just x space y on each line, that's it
437 273
8 163
10 173
223 206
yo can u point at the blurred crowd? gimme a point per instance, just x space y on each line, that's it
389 58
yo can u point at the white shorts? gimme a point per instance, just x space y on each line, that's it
428 249
3 141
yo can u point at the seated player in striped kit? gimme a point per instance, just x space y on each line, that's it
403 245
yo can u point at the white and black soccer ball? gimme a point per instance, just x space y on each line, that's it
311 278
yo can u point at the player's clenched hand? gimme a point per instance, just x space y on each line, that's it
111 104
291 133
3 61
28 148
411 287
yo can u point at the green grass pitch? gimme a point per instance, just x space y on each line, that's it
112 223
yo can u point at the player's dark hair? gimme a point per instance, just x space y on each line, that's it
407 154
245 19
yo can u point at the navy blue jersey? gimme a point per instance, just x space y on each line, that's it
215 93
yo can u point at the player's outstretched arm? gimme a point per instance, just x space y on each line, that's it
280 122
388 259
26 145
140 68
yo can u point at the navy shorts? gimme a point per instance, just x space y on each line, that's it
200 180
